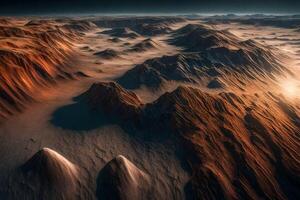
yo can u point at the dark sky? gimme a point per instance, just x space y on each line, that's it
147 6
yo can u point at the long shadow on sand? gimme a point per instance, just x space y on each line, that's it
79 117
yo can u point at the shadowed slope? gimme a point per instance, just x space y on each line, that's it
121 32
152 29
113 99
102 104
195 37
234 152
208 53
133 22
284 21
216 84
50 176
237 147
226 48
107 54
144 45
121 179
32 56
5 22
154 72
80 26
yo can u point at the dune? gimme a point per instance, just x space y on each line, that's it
206 50
218 169
201 112
81 26
11 31
5 22
122 33
23 70
290 22
117 22
126 44
41 22
87 48
216 84
121 179
144 45
113 99
233 152
225 47
107 54
80 74
154 72
50 176
152 29
115 40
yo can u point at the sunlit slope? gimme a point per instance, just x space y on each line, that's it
31 56
208 55
237 146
